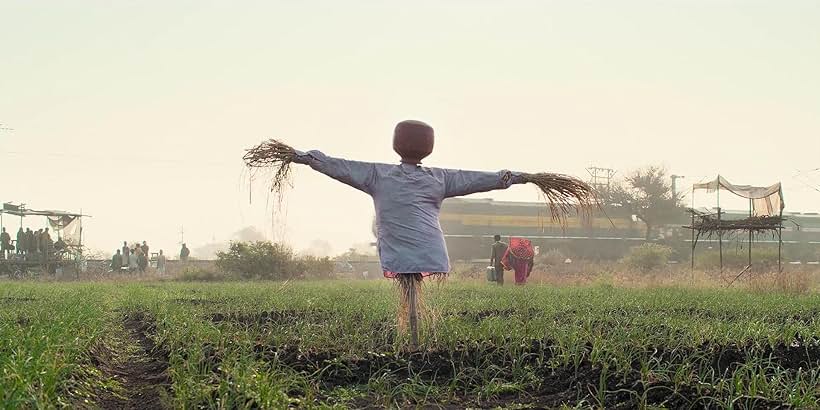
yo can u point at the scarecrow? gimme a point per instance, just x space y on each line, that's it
408 197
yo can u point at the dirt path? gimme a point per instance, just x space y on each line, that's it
139 368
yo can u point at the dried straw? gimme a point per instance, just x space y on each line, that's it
411 304
564 195
273 155
710 225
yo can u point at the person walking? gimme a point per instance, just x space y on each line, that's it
142 260
184 253
498 250
38 241
31 243
126 253
21 241
161 263
5 243
133 261
46 245
519 257
116 262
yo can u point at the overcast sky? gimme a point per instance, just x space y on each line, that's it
137 112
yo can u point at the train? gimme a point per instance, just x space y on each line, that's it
469 225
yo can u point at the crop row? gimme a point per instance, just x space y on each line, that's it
269 345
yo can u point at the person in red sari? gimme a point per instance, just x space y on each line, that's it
519 258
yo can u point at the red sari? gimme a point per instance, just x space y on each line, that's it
519 257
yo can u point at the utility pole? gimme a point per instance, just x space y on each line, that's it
601 178
181 234
675 178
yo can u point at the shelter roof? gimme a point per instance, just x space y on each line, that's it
19 210
744 191
764 200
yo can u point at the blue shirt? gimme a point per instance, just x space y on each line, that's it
408 200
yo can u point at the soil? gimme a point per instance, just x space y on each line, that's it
477 316
142 370
291 316
280 317
571 384
195 302
16 299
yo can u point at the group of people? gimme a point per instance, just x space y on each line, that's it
136 258
516 256
31 245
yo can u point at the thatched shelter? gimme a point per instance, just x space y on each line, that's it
765 216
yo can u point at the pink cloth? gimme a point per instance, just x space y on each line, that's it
519 257
522 268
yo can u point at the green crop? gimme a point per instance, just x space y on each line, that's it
336 344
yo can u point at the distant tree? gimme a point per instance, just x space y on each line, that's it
257 260
272 261
319 247
647 194
249 234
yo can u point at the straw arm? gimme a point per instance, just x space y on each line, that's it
564 194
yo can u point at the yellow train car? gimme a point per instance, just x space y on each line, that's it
469 225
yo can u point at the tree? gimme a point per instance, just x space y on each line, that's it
267 260
318 247
257 260
647 194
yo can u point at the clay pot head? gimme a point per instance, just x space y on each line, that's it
413 141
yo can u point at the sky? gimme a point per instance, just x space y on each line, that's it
138 112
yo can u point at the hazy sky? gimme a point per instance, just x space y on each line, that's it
137 112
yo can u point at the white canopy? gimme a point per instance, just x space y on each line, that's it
766 201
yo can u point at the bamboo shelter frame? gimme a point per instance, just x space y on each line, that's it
21 211
769 219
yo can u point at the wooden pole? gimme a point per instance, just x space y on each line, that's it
720 241
780 244
413 300
693 244
693 234
779 250
79 266
720 232
751 205
409 284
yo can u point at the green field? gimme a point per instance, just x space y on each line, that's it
336 344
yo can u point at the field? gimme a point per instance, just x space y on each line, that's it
336 344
